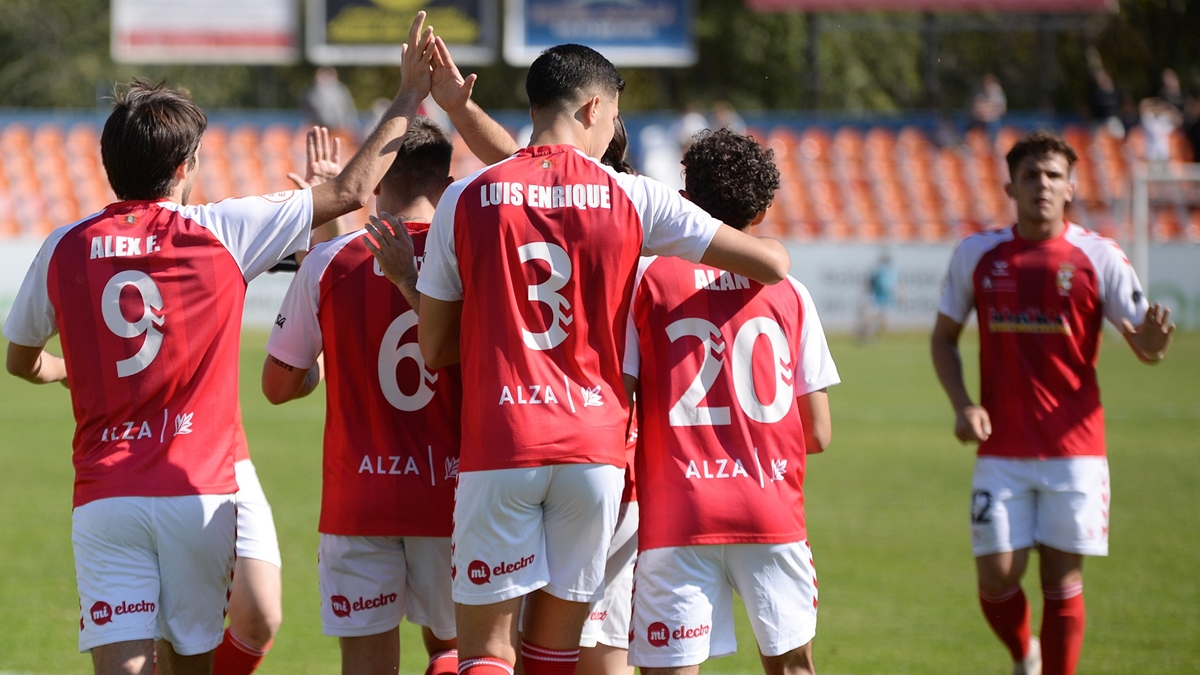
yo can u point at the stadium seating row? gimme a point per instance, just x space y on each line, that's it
843 184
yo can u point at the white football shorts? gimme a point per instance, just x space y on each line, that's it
154 568
1019 503
683 601
368 584
608 620
256 536
518 530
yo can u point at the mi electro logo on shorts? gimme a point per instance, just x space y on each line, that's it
342 607
480 573
102 613
659 635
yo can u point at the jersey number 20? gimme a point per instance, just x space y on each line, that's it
110 308
687 411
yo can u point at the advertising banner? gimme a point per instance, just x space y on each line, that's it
652 33
986 6
370 32
206 31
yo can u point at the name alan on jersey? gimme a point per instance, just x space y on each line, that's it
715 280
116 246
578 196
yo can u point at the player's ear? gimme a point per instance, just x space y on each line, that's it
1009 190
684 194
762 215
376 192
589 112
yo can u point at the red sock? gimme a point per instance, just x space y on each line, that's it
1008 615
1063 620
235 657
541 661
484 665
444 662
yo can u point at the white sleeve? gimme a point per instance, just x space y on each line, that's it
32 321
815 369
439 277
258 231
632 364
1121 292
958 289
296 337
671 225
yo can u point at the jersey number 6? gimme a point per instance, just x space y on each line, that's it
391 352
687 411
110 308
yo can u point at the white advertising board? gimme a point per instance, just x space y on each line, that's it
206 31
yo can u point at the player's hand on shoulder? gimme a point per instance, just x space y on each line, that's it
388 240
451 91
1151 339
324 159
972 424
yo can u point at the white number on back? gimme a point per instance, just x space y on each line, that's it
110 308
547 293
391 353
687 411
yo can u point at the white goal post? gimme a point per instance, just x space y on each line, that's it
1143 175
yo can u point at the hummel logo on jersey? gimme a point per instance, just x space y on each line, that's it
280 320
183 424
713 280
342 607
479 573
999 268
122 247
591 397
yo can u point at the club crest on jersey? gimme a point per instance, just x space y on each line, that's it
1065 272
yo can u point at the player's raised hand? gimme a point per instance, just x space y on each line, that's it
450 89
1151 339
972 424
324 159
388 240
415 57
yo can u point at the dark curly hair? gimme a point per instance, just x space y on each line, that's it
1039 144
730 175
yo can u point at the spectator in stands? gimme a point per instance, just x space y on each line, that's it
1171 91
1159 120
988 105
1104 103
328 103
692 122
1191 114
725 116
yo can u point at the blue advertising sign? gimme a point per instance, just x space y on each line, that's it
627 32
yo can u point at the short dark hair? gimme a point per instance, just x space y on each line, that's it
614 156
1039 144
150 132
562 74
422 163
730 175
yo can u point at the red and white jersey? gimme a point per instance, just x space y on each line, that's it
542 249
721 361
1041 305
391 425
148 297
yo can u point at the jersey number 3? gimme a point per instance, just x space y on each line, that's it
114 318
687 411
548 294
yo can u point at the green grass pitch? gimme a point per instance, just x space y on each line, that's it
887 508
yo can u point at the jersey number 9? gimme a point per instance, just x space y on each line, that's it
114 318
